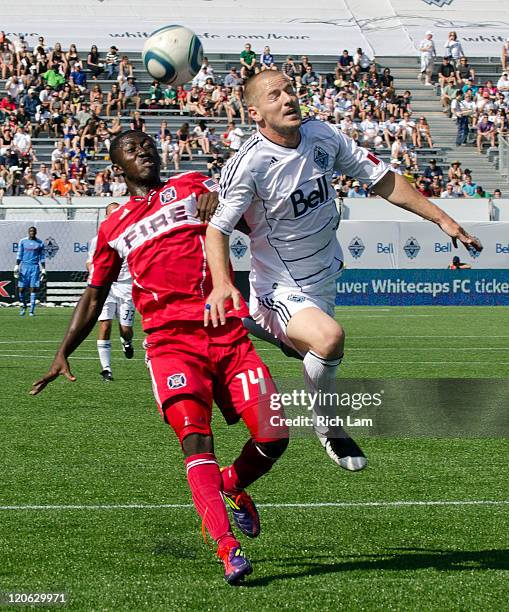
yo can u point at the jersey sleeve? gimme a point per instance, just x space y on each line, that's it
106 263
236 193
21 250
42 253
358 162
91 249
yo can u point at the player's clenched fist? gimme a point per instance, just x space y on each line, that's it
214 307
59 367
207 204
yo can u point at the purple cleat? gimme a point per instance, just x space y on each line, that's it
245 514
236 565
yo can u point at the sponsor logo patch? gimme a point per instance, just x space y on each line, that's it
168 195
238 247
296 298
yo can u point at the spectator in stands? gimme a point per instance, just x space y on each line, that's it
503 86
407 129
361 62
497 193
233 79
342 105
118 187
247 62
30 103
396 166
390 130
131 94
112 60
447 95
458 265
310 77
289 68
22 144
94 63
462 111
15 88
449 192
267 60
235 106
453 49
464 71
62 186
78 77
454 171
155 98
6 61
469 187
200 135
203 74
423 133
370 129
43 179
505 54
234 137
433 170
53 78
355 191
96 99
137 122
480 193
422 186
194 102
345 65
485 131
114 100
428 54
386 80
184 141
446 72
72 58
125 69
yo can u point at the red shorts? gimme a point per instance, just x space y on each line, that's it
209 365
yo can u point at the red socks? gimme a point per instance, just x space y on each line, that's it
248 467
204 480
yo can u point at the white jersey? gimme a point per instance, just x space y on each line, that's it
124 276
288 201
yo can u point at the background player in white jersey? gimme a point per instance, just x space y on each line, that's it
118 305
280 181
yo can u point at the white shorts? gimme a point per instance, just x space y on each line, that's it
274 310
119 305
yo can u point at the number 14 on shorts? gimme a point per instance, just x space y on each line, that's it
252 378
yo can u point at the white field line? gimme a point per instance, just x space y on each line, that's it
310 505
350 361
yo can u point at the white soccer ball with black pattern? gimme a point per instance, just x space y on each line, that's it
173 54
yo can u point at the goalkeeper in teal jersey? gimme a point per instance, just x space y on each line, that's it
29 269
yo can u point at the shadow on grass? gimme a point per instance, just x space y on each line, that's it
395 559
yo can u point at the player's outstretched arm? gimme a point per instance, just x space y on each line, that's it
216 246
397 190
82 322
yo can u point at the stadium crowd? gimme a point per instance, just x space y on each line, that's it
54 93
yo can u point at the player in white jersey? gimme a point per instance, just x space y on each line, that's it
118 305
280 182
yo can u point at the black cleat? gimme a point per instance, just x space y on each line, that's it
107 376
128 350
345 452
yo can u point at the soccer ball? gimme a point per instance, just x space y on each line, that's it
173 54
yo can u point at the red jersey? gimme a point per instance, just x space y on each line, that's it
164 244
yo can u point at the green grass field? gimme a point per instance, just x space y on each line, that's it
92 444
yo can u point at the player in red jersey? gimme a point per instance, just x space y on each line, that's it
162 235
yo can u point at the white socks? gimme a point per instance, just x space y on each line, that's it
320 375
104 350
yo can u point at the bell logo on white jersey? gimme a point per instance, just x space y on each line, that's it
302 203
